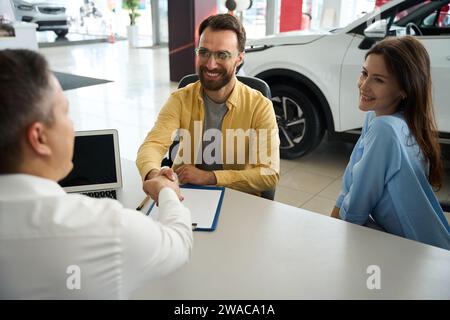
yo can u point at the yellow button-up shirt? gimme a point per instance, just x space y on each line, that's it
249 139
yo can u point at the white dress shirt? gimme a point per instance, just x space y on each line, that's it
55 245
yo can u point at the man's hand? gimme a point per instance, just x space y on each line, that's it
153 173
190 174
153 186
168 173
164 171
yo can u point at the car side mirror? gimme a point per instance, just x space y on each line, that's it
376 30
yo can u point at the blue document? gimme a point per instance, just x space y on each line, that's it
204 202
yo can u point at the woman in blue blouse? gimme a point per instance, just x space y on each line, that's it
396 161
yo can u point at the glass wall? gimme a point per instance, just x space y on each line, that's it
91 17
254 19
163 21
6 12
103 17
317 14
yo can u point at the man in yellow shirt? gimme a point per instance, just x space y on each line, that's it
228 131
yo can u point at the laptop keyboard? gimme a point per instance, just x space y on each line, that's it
102 194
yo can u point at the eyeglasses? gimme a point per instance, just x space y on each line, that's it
222 56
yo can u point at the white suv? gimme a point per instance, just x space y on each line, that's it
47 14
312 75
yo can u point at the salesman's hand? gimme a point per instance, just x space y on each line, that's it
168 173
153 186
190 174
164 171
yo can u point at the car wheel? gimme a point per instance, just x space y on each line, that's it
299 124
61 32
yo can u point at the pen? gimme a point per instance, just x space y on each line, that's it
139 208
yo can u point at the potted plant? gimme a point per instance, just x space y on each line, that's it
132 30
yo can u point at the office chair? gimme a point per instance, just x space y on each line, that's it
254 83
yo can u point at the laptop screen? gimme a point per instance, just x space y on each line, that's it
96 162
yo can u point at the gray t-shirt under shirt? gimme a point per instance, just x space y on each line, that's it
214 114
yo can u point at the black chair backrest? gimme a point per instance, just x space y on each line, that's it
252 82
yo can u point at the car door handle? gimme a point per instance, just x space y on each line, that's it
448 58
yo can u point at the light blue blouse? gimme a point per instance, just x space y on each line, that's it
386 178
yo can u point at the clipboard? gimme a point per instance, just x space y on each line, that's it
204 202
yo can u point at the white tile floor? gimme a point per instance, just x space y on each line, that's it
140 87
313 182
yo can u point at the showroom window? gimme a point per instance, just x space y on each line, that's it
314 14
103 17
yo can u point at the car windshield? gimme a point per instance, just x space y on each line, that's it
409 11
335 30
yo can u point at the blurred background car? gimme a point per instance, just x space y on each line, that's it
49 15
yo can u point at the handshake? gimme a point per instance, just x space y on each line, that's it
166 177
159 179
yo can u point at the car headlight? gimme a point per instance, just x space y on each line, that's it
25 7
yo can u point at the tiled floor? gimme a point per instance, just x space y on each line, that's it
313 182
140 87
50 39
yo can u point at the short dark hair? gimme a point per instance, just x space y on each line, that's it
24 87
225 21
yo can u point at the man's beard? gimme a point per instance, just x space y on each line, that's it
214 85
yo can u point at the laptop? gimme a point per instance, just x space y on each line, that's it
96 164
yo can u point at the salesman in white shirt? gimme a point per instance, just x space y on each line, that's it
69 246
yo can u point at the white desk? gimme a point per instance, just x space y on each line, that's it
25 37
267 250
131 193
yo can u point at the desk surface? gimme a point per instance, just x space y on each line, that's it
263 249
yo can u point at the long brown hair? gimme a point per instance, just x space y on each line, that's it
408 60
